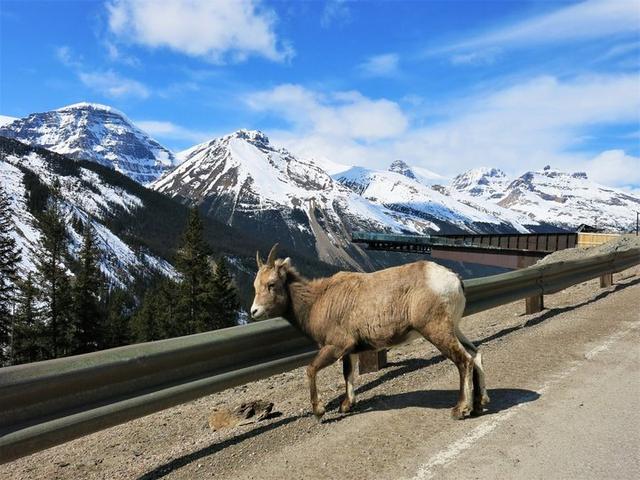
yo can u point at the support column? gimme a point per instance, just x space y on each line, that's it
534 304
606 280
372 361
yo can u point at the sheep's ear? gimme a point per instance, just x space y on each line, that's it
283 267
258 259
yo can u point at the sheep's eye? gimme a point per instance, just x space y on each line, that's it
271 286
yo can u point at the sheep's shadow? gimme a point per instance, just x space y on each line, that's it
501 399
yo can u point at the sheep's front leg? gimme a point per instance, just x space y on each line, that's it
348 369
325 357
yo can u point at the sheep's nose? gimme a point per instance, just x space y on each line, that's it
254 311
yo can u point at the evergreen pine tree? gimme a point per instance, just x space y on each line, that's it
54 281
9 259
194 300
225 297
117 305
86 295
156 318
28 332
145 325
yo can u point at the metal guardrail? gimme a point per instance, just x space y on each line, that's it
47 403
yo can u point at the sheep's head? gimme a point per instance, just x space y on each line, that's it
271 298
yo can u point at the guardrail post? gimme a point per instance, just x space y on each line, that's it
606 280
372 361
534 304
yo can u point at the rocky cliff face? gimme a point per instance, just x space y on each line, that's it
483 183
87 131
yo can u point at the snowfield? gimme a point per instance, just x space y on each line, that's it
85 198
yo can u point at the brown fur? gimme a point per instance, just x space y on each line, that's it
351 312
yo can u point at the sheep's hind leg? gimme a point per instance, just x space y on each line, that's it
325 357
348 370
445 340
480 395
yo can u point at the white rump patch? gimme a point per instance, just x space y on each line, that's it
442 281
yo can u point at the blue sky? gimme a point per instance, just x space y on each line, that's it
447 85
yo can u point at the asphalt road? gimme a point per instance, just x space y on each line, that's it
584 425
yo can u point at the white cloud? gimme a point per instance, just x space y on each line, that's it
66 57
171 131
615 167
541 121
106 82
217 31
481 57
113 85
335 12
116 55
340 114
384 65
586 20
524 126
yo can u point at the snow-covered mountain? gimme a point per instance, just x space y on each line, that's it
550 196
482 183
401 191
85 197
245 181
6 120
89 131
569 200
420 174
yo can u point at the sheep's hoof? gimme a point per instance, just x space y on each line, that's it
461 412
318 411
479 403
345 406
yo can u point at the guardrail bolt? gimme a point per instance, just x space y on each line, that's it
372 361
534 304
606 280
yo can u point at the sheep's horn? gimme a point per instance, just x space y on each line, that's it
271 259
258 259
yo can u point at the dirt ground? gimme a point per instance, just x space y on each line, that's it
620 244
401 420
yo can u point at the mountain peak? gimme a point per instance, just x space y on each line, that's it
487 182
548 171
87 106
401 167
95 132
253 136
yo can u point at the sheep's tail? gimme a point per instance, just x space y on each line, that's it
466 343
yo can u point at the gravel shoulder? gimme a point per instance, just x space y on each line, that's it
402 419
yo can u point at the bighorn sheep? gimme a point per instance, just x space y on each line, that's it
351 312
